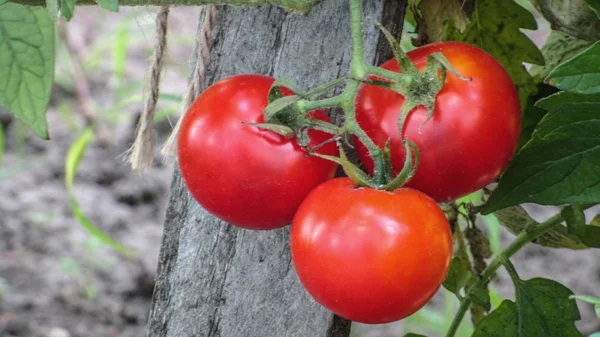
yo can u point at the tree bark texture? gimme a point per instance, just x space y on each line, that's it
215 280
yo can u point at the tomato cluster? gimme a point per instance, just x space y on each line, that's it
369 255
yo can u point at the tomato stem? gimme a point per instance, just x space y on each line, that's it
520 241
306 106
358 71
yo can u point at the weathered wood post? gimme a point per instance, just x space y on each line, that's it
218 280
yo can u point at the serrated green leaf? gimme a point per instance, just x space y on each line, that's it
435 13
579 74
26 64
76 152
457 277
516 219
481 298
111 5
573 17
559 47
595 5
544 309
66 8
52 7
495 27
561 162
575 219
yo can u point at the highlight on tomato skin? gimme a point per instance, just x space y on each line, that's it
368 255
474 131
246 176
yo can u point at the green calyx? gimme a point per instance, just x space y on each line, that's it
417 87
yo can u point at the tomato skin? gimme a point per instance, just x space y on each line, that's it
249 177
472 135
368 255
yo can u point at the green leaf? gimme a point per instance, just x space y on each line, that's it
561 162
532 115
67 7
543 309
481 298
573 17
579 74
414 335
595 5
52 7
559 47
434 13
26 64
111 5
457 277
589 235
76 152
502 322
495 27
516 219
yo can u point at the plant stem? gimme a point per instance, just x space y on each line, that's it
461 253
306 106
521 240
358 71
402 80
358 64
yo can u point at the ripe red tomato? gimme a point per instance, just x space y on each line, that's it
369 255
249 177
472 135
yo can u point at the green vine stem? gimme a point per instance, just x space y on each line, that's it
461 253
526 236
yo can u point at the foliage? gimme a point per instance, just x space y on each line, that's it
543 308
26 63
